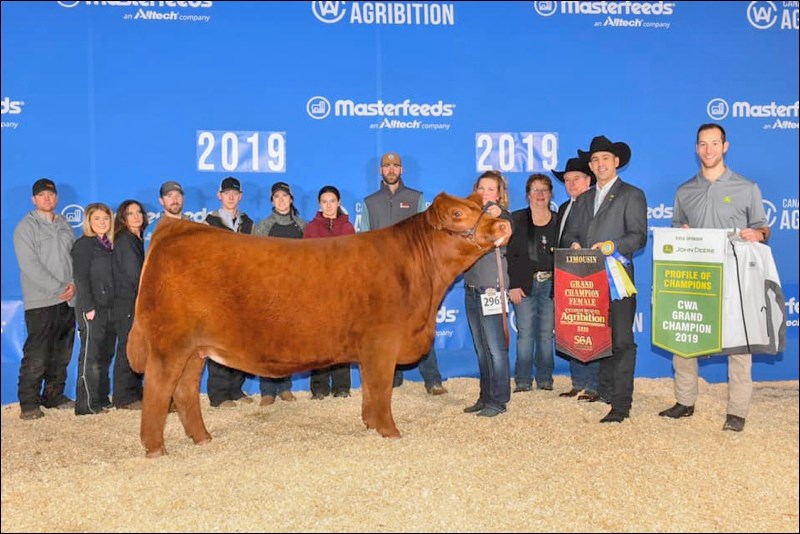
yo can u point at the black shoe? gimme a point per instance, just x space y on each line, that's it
317 396
478 406
589 396
28 414
546 387
521 389
342 394
614 417
570 393
678 411
61 403
490 411
733 422
437 389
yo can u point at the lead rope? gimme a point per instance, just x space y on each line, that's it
502 294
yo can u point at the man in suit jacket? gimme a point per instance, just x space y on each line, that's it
577 179
612 211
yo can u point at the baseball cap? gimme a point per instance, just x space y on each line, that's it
43 184
281 186
230 183
169 186
390 157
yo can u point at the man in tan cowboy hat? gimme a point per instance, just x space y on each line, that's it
613 211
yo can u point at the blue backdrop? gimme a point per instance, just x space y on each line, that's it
110 99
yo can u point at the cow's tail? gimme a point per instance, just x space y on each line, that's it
138 348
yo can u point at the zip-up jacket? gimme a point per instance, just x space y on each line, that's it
43 254
94 275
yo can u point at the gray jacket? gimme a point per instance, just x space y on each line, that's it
45 263
384 208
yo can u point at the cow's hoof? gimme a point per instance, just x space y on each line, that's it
156 453
390 433
204 441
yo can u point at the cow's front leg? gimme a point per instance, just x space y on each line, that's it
187 400
376 404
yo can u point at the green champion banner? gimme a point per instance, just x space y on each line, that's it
687 290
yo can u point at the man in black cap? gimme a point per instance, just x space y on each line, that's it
224 383
577 178
613 216
42 242
392 203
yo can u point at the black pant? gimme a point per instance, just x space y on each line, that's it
46 355
94 361
616 371
127 382
335 378
224 383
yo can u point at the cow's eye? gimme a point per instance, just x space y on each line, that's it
457 214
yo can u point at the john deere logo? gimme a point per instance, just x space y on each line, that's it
668 249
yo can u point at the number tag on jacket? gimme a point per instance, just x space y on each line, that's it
490 302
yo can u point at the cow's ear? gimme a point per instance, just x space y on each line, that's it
434 214
476 198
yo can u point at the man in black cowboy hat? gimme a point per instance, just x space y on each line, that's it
578 178
612 211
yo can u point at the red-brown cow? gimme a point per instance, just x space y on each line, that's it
272 307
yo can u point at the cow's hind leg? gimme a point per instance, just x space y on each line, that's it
161 376
187 400
376 404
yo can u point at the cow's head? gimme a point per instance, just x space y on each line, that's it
466 219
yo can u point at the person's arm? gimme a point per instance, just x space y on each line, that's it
757 224
635 220
29 262
364 217
81 269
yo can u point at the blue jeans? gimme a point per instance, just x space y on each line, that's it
535 321
428 368
273 387
489 340
585 376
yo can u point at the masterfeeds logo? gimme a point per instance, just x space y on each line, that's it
662 211
386 13
625 14
792 311
765 15
784 116
73 213
11 108
159 11
398 115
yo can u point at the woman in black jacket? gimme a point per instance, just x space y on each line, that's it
94 290
128 257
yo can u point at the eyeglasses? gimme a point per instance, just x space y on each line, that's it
539 191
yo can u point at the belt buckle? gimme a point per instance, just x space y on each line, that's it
541 276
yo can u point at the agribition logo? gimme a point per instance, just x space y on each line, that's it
773 15
385 13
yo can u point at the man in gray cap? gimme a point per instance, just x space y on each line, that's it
170 196
42 242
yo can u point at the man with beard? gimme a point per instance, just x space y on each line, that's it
392 203
171 197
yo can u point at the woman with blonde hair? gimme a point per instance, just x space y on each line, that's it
483 280
94 290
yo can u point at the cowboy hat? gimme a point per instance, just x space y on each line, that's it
601 143
576 164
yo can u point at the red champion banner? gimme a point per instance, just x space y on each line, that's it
581 299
